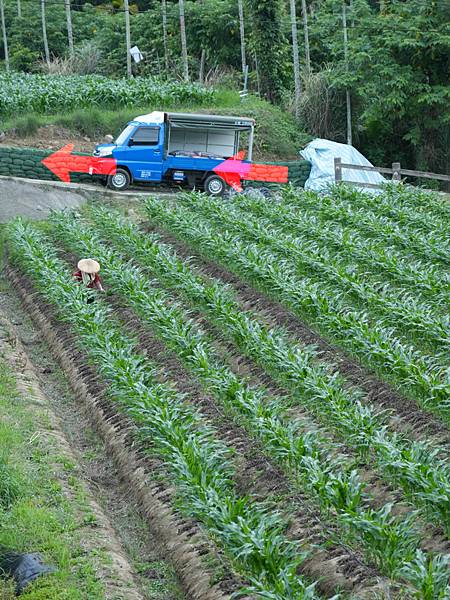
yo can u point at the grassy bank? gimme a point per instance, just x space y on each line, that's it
43 506
277 133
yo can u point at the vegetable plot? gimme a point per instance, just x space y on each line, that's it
253 424
307 296
251 535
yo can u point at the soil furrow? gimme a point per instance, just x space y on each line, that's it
403 414
183 541
337 566
379 491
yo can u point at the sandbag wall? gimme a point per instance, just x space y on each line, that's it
298 173
26 162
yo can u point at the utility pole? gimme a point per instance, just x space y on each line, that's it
297 81
347 91
44 33
241 27
5 39
164 26
69 26
184 54
306 32
127 36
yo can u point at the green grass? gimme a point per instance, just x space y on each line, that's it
277 134
35 514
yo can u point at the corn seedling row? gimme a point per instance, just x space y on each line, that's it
387 306
352 329
387 540
298 368
368 257
251 535
434 248
402 205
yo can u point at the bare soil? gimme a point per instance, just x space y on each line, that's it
49 137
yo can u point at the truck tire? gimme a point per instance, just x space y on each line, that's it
119 181
215 185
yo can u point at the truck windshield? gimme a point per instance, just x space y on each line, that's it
122 138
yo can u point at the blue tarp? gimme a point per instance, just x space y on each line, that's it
321 155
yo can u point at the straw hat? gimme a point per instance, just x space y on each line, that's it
88 265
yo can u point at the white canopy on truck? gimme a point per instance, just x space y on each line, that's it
213 134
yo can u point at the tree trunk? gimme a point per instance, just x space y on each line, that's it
44 33
306 32
297 81
127 36
5 39
201 75
184 54
19 8
69 26
164 26
242 30
347 92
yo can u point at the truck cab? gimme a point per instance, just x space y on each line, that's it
180 149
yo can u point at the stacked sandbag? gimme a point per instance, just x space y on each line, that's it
298 173
27 162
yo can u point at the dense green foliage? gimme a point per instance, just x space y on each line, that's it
22 93
398 61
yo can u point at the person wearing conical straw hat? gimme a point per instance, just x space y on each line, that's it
87 273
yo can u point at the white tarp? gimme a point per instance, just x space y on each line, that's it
321 155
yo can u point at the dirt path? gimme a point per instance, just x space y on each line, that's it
135 569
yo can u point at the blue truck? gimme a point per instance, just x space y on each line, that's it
180 149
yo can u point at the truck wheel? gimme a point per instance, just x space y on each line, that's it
120 181
215 185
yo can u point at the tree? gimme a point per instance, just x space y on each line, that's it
44 33
69 26
164 29
184 55
271 46
297 82
5 39
242 33
306 34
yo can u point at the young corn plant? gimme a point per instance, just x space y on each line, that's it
387 306
429 576
368 256
353 329
414 466
249 533
342 491
338 206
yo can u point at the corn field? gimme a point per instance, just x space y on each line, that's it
286 360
